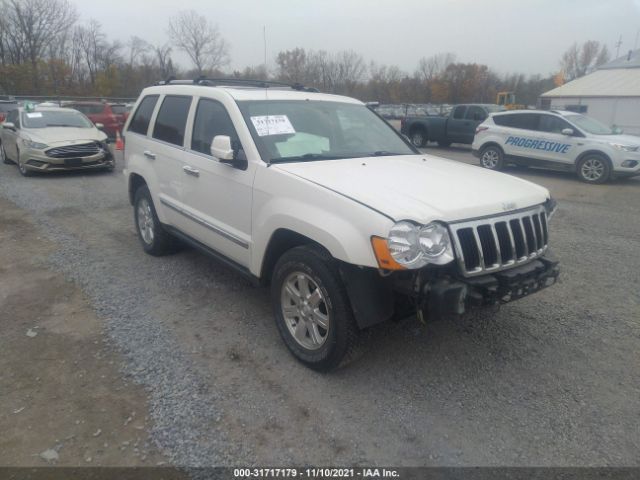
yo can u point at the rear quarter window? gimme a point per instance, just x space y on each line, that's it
142 117
524 121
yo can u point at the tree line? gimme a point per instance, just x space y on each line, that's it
46 50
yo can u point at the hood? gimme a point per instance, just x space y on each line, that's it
422 188
54 136
623 139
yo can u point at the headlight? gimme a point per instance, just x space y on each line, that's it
625 148
34 145
414 246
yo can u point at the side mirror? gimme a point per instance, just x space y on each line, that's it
221 147
9 126
99 126
568 132
228 152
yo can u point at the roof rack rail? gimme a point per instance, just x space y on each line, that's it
213 82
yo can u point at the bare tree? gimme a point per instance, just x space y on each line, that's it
163 55
432 68
96 51
137 47
29 26
579 60
200 40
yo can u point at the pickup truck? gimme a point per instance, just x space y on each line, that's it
458 127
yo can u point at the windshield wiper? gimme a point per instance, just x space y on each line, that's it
307 157
384 153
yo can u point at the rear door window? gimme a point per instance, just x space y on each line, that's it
476 114
172 120
458 113
142 117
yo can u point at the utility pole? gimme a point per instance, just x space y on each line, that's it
618 45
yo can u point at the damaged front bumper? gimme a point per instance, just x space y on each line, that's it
447 296
439 292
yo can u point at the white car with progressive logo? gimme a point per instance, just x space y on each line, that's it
318 197
558 140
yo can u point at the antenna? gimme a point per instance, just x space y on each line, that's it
264 38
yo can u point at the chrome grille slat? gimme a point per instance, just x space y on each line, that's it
80 150
478 242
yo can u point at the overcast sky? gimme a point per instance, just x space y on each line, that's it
526 36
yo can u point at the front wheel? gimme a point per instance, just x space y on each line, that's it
491 157
3 155
594 169
24 171
312 309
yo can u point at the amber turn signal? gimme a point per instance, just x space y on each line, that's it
383 256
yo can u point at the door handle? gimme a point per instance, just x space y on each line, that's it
191 171
149 155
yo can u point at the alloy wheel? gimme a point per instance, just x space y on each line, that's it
145 221
305 310
592 169
490 158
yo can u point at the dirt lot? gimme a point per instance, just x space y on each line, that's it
62 399
192 349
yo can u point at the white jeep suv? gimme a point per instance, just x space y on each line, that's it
558 140
318 197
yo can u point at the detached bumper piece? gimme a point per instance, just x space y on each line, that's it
445 297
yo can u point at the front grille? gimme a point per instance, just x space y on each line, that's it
496 243
75 151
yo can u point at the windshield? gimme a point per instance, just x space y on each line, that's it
590 125
291 130
57 118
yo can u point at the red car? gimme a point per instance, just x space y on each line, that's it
108 114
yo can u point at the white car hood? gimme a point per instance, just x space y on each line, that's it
54 136
622 139
422 188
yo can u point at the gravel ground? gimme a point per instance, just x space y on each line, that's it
550 380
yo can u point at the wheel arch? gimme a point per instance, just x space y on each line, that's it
599 153
135 181
490 143
281 240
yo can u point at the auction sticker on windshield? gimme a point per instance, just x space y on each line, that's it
272 125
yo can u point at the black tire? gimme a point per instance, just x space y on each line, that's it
594 169
492 157
3 154
23 171
341 339
160 242
418 137
444 143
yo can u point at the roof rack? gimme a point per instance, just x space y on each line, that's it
227 82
